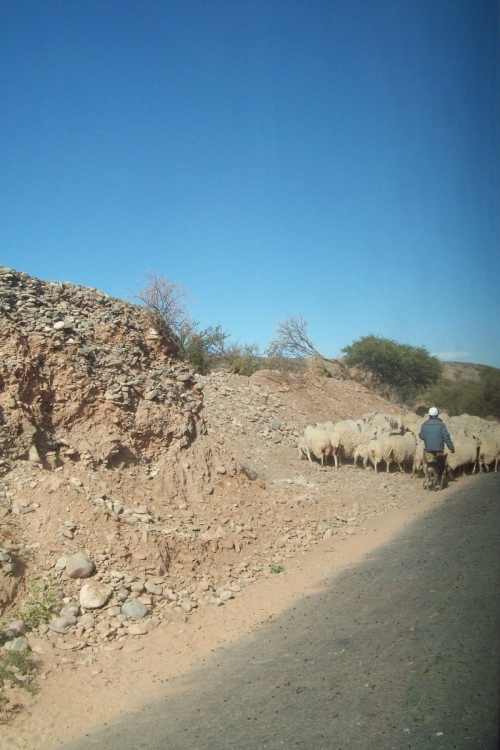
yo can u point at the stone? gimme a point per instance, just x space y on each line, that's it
41 647
135 609
174 615
136 629
150 623
132 647
71 609
61 625
94 595
17 644
79 566
220 469
137 586
15 628
154 588
34 456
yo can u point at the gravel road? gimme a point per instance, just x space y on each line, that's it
400 651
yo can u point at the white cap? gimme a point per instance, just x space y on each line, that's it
433 411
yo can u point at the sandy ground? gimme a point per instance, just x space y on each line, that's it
77 699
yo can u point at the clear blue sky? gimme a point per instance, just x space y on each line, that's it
335 158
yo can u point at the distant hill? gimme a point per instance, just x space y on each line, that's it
461 373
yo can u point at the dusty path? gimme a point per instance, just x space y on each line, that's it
77 705
398 651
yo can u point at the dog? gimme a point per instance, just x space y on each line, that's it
433 477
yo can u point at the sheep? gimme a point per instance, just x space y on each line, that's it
381 419
317 442
466 450
398 449
363 453
418 458
375 450
350 439
409 418
489 451
302 448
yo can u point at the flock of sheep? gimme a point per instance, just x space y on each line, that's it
394 439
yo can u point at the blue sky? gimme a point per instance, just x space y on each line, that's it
335 158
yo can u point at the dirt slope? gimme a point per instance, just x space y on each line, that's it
179 490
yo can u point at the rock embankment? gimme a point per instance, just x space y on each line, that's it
136 493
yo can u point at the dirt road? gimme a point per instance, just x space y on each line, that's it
401 650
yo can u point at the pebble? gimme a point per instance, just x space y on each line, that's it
79 566
95 595
17 644
132 647
153 588
174 615
135 609
41 647
62 624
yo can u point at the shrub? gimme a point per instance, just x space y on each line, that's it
43 602
402 370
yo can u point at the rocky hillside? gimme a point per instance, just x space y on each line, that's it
135 491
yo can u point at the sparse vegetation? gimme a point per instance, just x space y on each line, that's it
292 342
42 603
481 398
20 667
276 569
205 348
17 668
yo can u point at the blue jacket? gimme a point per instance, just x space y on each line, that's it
435 434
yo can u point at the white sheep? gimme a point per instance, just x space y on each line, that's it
317 442
380 419
375 450
362 452
489 451
418 459
398 449
302 448
466 450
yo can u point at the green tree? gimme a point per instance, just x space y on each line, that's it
404 370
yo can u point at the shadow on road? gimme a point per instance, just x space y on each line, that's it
400 651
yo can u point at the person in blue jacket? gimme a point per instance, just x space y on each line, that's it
435 434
